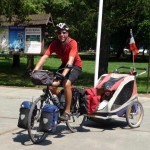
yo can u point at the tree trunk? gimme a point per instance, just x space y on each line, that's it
104 56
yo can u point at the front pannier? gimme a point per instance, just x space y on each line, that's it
49 118
23 116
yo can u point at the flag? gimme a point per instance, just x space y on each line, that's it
132 45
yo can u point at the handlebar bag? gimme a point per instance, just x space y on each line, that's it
42 77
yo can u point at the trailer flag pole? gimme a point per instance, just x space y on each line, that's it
98 41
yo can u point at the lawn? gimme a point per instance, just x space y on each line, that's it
17 76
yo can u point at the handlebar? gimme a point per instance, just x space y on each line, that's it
126 67
132 70
59 76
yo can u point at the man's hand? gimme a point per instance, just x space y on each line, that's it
56 83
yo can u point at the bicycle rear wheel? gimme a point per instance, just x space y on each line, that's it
134 114
33 122
76 122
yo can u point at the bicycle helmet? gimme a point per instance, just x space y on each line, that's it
62 26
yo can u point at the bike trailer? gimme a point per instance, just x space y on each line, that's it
121 89
23 116
49 118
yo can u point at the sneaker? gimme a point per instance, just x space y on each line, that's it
65 117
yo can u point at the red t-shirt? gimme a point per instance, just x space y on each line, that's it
71 49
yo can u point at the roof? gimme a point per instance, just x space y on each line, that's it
34 20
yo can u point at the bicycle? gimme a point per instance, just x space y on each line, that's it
122 103
34 116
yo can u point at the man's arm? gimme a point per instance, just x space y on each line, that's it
66 70
41 61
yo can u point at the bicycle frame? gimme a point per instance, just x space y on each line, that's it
48 95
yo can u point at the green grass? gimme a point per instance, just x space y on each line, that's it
17 77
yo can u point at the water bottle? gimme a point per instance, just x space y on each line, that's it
62 101
56 101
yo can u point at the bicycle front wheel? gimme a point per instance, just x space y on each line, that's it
34 120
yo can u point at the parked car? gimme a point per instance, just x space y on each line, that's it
143 51
126 51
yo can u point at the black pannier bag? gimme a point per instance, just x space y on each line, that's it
79 95
83 101
49 118
42 77
75 98
23 116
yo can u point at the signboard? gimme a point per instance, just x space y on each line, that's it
32 40
16 39
4 40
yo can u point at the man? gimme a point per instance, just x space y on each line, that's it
67 50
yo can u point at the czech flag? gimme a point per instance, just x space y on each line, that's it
132 45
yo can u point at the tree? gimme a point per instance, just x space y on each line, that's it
124 15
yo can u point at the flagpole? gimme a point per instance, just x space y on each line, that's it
132 50
133 60
98 41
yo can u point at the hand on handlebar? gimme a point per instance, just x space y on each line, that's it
59 78
56 83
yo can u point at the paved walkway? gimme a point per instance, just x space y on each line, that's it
115 135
